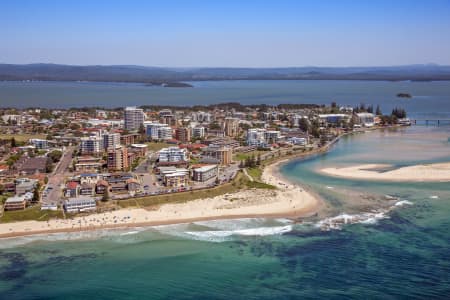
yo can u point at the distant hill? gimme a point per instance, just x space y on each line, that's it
169 76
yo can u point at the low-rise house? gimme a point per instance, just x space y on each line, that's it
333 119
25 185
31 165
301 141
39 143
28 196
88 164
133 185
113 178
174 177
49 206
80 204
89 178
118 187
102 186
87 189
404 122
72 189
366 119
15 203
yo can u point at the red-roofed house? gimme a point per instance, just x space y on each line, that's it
72 189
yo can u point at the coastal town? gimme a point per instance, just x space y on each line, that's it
62 163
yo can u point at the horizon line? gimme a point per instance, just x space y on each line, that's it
218 67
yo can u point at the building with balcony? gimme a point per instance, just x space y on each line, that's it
133 118
173 154
118 159
92 145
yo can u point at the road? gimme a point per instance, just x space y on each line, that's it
53 191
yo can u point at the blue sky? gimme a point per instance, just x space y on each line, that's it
212 33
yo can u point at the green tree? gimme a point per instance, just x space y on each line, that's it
242 164
399 113
48 166
55 156
303 124
13 142
106 196
378 111
36 193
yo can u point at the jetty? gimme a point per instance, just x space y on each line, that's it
431 122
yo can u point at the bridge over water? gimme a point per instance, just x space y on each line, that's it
431 122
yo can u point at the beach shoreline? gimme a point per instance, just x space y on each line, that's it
290 200
287 201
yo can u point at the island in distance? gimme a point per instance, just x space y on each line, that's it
404 95
171 84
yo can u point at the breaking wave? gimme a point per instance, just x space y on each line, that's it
339 221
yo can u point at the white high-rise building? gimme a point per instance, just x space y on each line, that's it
173 154
198 132
133 117
111 140
255 137
159 131
91 145
201 116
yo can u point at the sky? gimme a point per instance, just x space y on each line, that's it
231 33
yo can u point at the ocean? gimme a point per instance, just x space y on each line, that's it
397 253
430 99
395 250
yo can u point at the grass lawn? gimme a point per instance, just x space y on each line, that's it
30 213
158 146
240 182
260 185
256 173
22 137
243 156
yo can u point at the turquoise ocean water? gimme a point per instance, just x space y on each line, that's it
399 254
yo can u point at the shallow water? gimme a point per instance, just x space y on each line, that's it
399 254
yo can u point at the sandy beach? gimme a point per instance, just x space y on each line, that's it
288 200
430 172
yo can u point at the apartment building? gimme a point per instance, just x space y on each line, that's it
111 140
173 154
231 127
92 145
118 159
183 134
133 118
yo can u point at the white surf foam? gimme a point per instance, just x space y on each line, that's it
343 219
339 221
225 235
434 197
130 233
403 202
